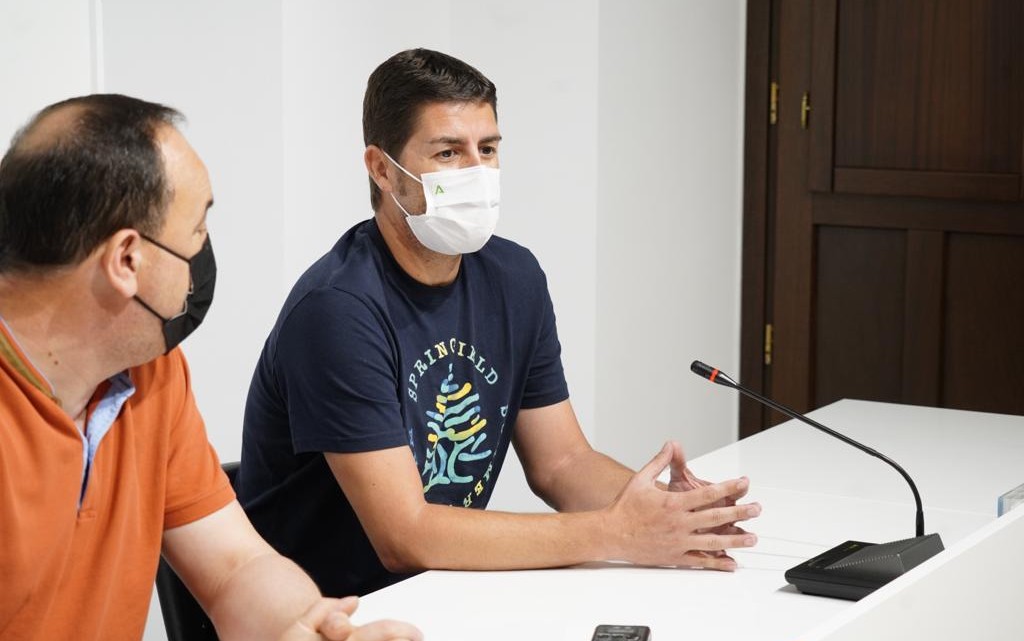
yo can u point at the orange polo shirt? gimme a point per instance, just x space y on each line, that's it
81 566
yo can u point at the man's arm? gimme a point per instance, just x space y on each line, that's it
560 465
643 524
564 470
251 592
568 474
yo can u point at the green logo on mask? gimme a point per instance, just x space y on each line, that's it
438 190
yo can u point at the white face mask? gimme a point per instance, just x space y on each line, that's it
462 209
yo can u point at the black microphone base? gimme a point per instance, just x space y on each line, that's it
855 569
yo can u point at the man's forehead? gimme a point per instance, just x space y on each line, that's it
180 160
172 144
438 120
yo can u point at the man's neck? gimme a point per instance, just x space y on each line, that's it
422 264
57 336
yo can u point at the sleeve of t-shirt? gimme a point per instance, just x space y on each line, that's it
196 484
335 365
545 380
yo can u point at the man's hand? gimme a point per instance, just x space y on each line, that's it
683 480
692 524
329 619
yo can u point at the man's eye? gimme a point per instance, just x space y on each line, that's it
447 153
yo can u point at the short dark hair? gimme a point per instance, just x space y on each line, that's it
79 171
404 83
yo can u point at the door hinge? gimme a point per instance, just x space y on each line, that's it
773 104
768 344
805 110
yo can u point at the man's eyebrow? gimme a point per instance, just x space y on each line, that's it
206 211
453 140
446 140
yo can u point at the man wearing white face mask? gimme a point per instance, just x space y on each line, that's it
408 359
461 208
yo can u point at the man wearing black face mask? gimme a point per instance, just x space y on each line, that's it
202 270
105 266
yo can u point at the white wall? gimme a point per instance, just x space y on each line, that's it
220 64
669 221
45 56
621 170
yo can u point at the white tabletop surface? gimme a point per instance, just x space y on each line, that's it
816 493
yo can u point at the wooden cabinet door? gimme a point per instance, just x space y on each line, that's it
893 249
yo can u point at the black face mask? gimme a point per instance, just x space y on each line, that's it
202 270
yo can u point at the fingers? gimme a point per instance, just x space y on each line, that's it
689 481
715 517
328 617
682 479
650 472
677 463
686 526
348 604
716 542
710 551
707 495
336 625
739 494
387 631
722 529
694 480
721 562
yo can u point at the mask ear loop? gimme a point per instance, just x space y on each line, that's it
191 282
407 214
395 163
392 194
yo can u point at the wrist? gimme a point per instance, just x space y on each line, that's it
603 534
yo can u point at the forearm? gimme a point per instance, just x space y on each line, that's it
560 464
643 525
261 599
455 538
589 480
607 514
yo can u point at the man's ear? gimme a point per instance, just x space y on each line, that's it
120 260
379 168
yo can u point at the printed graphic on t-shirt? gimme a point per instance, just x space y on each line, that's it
457 422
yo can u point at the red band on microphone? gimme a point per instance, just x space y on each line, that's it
713 375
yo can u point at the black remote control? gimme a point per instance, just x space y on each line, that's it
621 633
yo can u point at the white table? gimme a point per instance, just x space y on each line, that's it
816 493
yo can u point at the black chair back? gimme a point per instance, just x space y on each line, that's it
184 620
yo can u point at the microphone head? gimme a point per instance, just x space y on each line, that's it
701 369
711 373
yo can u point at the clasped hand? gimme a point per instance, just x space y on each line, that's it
688 523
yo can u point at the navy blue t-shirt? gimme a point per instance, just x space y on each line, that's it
363 357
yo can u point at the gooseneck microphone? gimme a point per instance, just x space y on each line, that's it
853 569
716 376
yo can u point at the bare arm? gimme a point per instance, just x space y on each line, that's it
643 524
560 465
251 592
569 475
